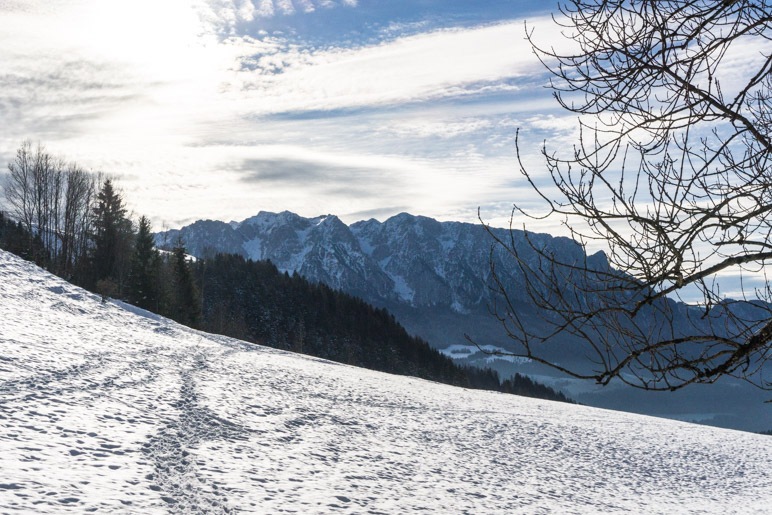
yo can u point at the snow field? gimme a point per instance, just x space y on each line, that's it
107 408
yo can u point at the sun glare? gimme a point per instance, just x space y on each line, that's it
154 34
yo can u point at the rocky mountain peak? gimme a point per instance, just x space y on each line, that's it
408 264
414 260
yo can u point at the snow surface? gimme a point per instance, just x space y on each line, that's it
108 408
254 248
457 351
402 288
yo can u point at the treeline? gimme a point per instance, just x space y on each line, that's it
52 200
75 224
253 301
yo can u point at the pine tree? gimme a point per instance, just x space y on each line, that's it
144 288
185 307
111 237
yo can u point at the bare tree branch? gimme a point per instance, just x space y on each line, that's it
672 172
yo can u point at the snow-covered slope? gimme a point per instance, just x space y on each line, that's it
108 408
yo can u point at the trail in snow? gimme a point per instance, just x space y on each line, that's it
110 409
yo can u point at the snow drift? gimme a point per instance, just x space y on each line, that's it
107 408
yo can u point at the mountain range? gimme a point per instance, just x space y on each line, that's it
409 264
435 278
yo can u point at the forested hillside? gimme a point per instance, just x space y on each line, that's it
253 301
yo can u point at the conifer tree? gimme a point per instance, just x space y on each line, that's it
111 237
144 276
185 306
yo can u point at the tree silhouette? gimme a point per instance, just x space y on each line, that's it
185 300
145 274
111 231
671 174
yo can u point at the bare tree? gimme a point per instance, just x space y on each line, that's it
20 185
79 198
672 175
34 192
53 200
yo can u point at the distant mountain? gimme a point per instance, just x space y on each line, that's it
406 263
434 277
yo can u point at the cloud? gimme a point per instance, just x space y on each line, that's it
54 99
265 8
328 176
285 6
229 16
292 164
445 63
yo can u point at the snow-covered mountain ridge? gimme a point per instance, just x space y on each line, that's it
433 276
111 409
410 260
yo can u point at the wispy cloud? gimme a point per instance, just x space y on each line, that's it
230 15
207 109
416 68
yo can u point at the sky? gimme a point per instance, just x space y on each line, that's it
222 108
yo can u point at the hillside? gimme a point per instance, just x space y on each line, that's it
108 408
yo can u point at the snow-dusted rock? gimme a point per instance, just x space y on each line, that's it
407 260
